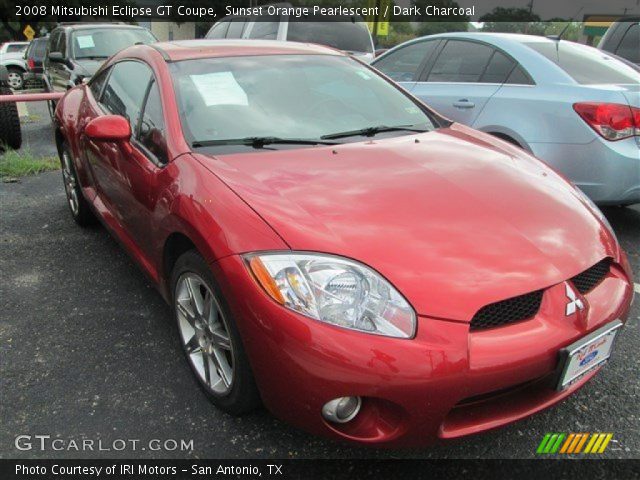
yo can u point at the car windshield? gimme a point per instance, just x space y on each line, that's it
102 43
586 65
37 49
287 97
343 35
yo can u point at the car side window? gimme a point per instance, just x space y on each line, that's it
519 77
151 132
403 64
629 47
265 27
236 27
15 48
498 69
460 61
125 90
97 83
219 30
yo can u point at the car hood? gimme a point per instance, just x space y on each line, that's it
87 67
453 218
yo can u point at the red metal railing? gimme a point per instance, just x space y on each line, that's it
31 97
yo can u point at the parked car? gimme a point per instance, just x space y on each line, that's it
371 271
34 57
11 56
350 34
570 105
623 39
75 51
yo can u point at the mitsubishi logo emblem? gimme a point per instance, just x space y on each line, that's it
575 303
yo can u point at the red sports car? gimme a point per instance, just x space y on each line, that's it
333 248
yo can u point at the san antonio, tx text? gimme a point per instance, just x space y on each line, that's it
141 469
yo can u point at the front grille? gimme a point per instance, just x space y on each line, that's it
507 311
587 280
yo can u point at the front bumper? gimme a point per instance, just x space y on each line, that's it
445 383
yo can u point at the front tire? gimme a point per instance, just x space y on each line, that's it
78 205
209 337
10 132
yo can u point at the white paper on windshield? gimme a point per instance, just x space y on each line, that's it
85 41
220 88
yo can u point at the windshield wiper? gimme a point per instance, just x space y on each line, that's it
259 142
371 131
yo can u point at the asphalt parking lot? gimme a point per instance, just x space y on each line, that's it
88 349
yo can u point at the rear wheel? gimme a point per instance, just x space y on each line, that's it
209 337
78 205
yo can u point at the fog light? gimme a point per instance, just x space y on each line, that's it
341 409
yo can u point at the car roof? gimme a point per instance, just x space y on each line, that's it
541 69
83 26
496 37
193 49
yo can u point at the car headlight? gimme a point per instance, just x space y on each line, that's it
334 290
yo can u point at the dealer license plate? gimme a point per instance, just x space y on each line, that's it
587 353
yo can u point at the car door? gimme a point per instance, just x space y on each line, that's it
142 169
110 161
61 73
404 64
453 83
50 68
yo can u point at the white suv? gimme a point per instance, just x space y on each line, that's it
12 57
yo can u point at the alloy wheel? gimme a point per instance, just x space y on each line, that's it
205 334
70 184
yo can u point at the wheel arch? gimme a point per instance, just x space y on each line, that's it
15 65
507 135
176 244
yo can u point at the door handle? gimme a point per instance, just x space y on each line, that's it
464 103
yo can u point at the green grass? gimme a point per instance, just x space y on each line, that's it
18 163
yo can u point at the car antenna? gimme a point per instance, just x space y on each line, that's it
566 27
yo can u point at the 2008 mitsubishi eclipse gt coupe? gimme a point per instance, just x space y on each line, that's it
337 250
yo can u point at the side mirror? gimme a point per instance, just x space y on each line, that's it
56 57
109 127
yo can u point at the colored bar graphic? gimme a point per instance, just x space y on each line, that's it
574 443
592 441
565 447
550 443
556 446
543 443
605 443
581 443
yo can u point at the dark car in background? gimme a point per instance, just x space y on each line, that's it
347 33
623 39
75 51
34 56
